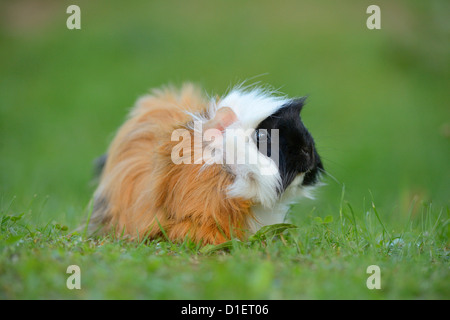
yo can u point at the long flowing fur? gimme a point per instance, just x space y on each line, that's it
142 193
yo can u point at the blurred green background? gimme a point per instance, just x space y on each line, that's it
378 103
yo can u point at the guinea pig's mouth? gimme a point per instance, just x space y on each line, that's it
311 176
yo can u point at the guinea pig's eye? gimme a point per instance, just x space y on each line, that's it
260 135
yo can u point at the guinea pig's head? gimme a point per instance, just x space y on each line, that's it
298 159
284 152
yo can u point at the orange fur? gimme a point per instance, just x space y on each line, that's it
141 190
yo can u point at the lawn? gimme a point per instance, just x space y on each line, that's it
377 108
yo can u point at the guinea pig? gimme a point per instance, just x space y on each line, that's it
186 166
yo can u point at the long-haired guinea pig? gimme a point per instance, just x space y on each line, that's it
186 166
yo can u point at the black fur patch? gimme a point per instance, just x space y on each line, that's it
297 151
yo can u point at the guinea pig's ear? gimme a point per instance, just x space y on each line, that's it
297 104
224 117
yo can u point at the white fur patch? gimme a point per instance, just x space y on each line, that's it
264 216
258 177
251 106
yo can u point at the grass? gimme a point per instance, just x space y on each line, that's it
320 258
377 108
